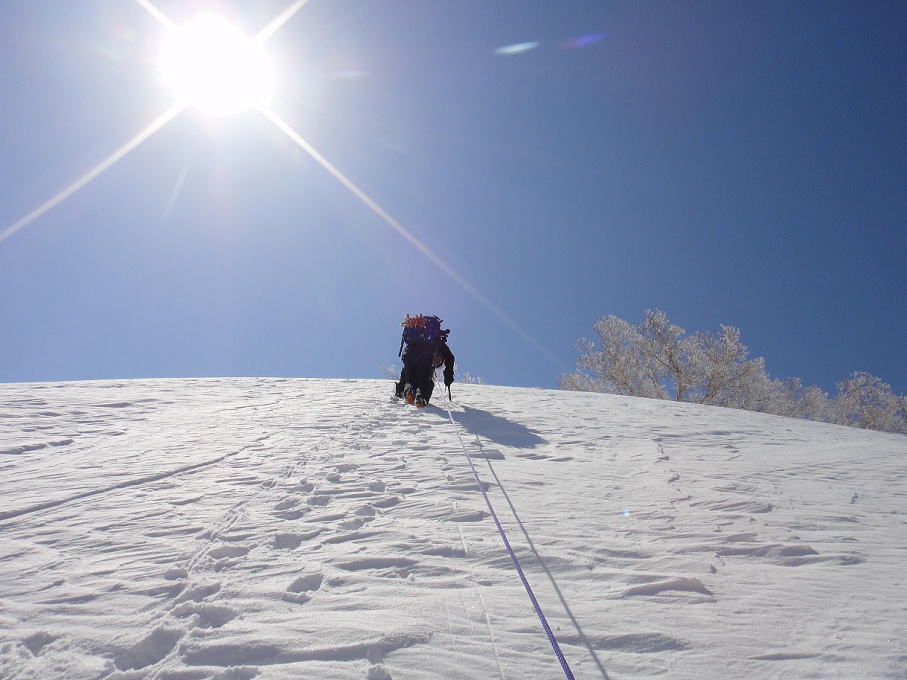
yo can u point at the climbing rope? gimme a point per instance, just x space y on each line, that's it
516 562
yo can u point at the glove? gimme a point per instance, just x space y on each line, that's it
448 378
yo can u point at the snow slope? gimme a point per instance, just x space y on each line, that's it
272 528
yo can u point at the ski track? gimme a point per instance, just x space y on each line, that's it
277 528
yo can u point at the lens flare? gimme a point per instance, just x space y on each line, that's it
582 41
517 48
406 234
211 65
279 20
72 188
155 12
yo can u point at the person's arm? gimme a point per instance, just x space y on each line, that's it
448 364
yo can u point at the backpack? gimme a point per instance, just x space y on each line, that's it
421 330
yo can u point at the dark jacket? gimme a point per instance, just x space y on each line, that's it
443 352
419 367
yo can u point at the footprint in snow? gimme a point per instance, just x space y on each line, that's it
387 567
198 593
206 615
149 650
679 585
35 643
229 551
346 538
298 591
385 502
355 523
286 503
291 541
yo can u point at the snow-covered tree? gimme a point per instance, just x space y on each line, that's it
722 374
901 414
621 366
465 377
658 359
809 402
580 382
664 345
864 400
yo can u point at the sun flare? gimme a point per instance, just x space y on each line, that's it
210 64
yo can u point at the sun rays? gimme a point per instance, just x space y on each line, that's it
211 65
406 234
156 13
279 20
72 188
187 94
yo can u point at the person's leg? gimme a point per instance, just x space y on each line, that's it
409 377
424 368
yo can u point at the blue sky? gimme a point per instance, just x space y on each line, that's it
729 162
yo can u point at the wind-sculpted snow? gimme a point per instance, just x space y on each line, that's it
241 528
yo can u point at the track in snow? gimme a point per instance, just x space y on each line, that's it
311 528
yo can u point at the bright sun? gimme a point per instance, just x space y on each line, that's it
211 65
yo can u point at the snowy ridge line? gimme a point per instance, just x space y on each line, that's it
10 514
516 562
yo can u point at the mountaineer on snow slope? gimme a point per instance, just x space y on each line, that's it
423 348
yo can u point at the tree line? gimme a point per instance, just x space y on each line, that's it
660 360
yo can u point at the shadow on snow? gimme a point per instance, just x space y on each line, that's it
497 429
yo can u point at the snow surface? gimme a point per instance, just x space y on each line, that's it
273 528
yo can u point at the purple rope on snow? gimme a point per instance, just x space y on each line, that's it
516 562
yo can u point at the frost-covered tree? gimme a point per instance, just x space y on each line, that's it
580 382
795 400
864 400
722 373
664 345
901 414
621 366
465 377
658 359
